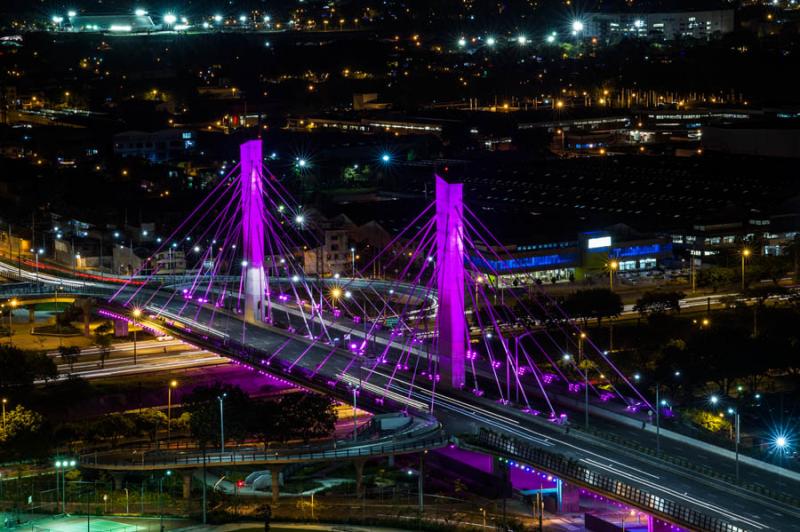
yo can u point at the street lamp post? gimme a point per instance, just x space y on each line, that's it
13 304
4 401
612 266
745 254
136 313
161 499
221 398
353 260
172 384
581 338
355 413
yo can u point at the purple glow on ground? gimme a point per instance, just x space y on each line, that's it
479 461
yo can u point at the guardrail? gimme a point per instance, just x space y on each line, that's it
582 476
210 459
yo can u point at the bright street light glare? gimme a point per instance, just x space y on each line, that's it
780 441
522 40
299 219
140 12
714 399
217 18
170 19
551 39
72 13
491 41
386 157
462 42
57 19
577 26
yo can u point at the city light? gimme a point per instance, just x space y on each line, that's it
57 19
217 18
386 157
490 41
299 219
72 13
170 19
577 26
550 39
462 42
713 399
302 163
140 12
522 40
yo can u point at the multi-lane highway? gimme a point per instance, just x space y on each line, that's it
297 357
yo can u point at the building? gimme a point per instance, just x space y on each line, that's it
588 255
158 146
170 262
332 257
663 26
113 23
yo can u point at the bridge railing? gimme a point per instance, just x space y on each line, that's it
571 471
93 460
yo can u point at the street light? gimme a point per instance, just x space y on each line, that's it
353 260
170 19
136 314
613 265
581 338
172 384
745 254
4 401
221 398
167 473
577 26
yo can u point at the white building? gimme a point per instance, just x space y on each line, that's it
666 26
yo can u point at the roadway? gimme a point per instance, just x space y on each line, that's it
301 358
463 412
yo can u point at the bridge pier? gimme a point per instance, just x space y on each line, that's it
568 498
275 473
359 464
187 484
31 314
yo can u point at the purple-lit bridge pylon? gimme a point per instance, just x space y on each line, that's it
433 321
439 329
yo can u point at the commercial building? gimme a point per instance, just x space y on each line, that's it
664 26
113 23
588 255
158 146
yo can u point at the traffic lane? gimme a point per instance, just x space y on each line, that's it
639 470
594 456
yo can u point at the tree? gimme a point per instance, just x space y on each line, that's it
595 303
103 342
20 369
25 434
657 301
69 354
307 416
148 421
263 422
203 406
715 277
112 427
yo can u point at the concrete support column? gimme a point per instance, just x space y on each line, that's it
359 464
31 314
390 460
275 473
187 484
568 498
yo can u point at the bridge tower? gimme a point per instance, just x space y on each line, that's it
450 282
253 222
